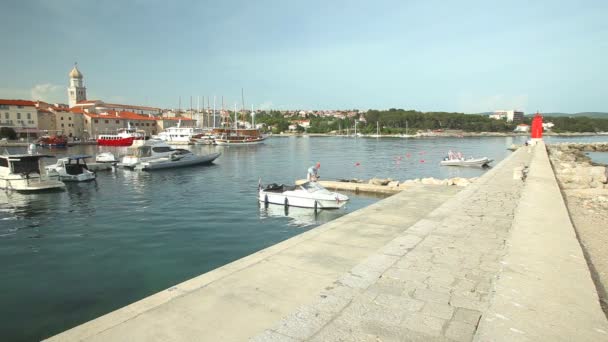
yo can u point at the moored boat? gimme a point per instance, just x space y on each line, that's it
306 195
237 137
52 141
106 157
24 172
72 169
457 159
178 134
123 137
179 158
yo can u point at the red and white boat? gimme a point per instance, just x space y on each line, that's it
124 137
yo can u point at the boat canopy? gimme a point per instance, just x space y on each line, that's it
25 164
78 157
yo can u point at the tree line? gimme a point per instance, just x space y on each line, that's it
395 121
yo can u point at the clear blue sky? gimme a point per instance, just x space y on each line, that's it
469 56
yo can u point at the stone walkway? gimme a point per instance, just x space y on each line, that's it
431 283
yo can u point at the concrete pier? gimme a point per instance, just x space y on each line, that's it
498 260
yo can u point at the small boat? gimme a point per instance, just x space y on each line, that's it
306 195
178 158
52 141
24 172
72 169
203 139
457 159
106 157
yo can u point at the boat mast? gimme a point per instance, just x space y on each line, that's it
198 111
236 125
213 111
252 118
208 111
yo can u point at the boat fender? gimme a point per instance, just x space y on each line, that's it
266 200
286 202
316 205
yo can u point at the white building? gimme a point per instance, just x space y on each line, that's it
21 115
76 91
510 115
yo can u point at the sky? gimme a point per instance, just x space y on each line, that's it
452 55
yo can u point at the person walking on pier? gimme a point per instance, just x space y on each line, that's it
313 173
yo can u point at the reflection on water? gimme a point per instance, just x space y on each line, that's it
299 217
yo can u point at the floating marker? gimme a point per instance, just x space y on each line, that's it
357 164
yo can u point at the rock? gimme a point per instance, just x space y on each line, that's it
378 181
461 182
430 181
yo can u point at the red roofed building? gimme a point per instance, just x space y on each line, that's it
98 106
109 122
20 115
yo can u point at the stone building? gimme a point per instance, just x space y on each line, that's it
109 122
20 115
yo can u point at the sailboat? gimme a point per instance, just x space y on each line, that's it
406 135
377 135
238 136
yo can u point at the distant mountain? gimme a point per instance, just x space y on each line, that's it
599 115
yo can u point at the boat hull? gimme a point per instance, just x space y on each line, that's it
116 142
167 163
33 184
232 142
299 201
470 162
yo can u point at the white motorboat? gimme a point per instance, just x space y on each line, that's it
72 169
306 195
24 172
151 149
178 158
106 157
457 159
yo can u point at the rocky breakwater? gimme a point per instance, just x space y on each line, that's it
574 169
585 187
457 181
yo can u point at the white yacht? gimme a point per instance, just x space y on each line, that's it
157 154
24 172
178 134
151 149
178 158
72 169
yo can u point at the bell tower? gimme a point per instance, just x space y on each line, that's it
76 91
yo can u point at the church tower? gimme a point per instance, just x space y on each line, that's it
76 91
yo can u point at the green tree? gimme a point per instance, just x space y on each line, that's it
8 133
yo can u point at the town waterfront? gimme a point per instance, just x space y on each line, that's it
71 256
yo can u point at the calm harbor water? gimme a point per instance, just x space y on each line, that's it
68 257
